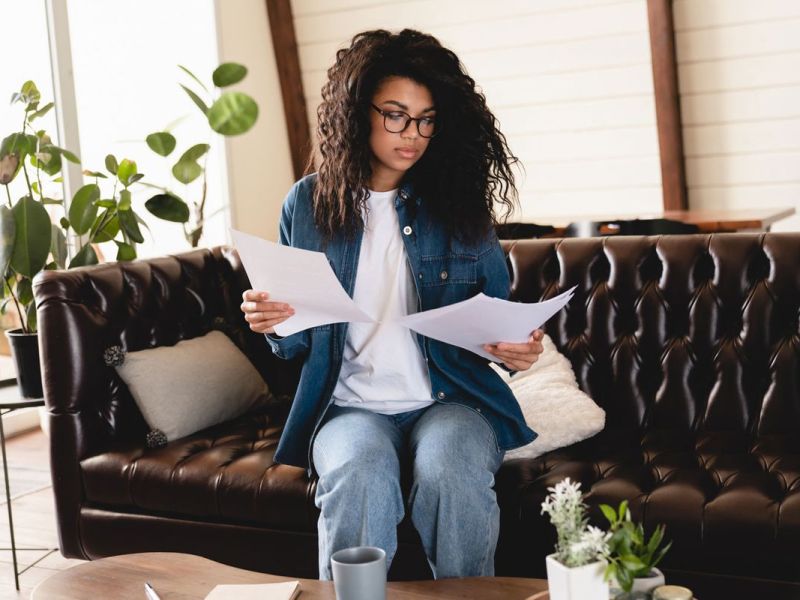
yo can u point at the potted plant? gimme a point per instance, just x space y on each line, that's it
632 558
228 113
575 571
31 242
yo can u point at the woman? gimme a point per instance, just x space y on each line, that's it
402 205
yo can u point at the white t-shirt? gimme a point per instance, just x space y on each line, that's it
383 368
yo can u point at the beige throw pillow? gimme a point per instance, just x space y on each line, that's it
552 403
192 385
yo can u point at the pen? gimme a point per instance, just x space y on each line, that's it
150 592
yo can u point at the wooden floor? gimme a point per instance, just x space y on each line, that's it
34 516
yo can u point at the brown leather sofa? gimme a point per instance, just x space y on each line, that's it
690 343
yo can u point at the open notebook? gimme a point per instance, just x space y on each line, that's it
286 590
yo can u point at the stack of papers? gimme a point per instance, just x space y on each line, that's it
305 280
287 590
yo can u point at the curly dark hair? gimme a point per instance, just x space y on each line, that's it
467 165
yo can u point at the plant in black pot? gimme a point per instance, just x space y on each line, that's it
35 228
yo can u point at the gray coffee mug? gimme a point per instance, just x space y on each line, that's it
359 573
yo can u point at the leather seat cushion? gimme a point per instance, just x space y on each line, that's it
225 473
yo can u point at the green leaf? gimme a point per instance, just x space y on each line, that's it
85 256
193 76
30 91
24 290
625 579
30 317
106 203
94 174
52 201
58 246
108 231
18 144
186 171
135 177
126 169
32 240
50 161
8 231
125 251
68 155
631 562
168 207
195 152
41 112
229 73
83 208
161 142
609 513
196 99
233 113
64 223
129 225
111 164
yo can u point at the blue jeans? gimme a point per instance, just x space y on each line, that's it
358 455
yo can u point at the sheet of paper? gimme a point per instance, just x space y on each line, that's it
302 278
483 320
286 590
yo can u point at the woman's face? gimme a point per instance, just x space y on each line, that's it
395 153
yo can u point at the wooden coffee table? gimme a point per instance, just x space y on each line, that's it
187 577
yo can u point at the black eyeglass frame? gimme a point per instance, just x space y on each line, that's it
409 118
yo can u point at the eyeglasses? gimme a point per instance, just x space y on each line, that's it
396 121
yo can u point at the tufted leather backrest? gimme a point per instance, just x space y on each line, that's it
671 332
686 333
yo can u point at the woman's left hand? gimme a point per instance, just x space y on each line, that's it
518 357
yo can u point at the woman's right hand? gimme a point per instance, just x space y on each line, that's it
261 314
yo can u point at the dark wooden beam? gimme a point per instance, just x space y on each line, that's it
668 108
284 42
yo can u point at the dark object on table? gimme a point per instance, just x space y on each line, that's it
629 227
522 231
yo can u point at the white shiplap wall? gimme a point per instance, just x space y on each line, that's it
739 73
569 80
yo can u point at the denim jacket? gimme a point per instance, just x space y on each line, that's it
445 271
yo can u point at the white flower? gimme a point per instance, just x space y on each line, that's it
578 544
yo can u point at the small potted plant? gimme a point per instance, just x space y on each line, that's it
632 558
575 570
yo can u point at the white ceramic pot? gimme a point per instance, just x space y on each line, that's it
648 584
642 586
576 583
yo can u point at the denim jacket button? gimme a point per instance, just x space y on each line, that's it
443 274
420 275
407 229
441 395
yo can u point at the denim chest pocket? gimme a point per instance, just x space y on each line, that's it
449 269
